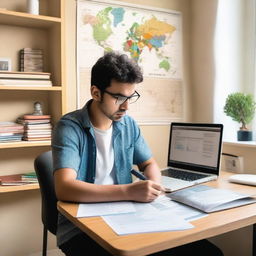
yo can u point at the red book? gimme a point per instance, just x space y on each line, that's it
37 117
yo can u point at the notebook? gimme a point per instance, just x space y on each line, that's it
193 156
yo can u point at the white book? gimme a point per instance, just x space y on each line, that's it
24 75
48 131
23 82
38 136
209 199
29 134
39 127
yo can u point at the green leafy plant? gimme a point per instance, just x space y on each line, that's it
241 108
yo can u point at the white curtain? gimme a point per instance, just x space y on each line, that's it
234 51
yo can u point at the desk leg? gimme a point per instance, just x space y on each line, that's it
254 240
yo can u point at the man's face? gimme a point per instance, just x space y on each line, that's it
109 104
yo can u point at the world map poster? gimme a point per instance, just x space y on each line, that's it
150 36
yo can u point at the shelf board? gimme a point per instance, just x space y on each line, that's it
34 88
249 144
22 144
27 20
8 189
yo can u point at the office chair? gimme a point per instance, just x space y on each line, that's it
49 213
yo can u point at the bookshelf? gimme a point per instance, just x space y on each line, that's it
45 31
53 88
8 189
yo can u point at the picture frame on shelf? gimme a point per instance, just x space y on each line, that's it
5 64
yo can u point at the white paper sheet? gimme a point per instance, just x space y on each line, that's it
108 208
161 215
144 222
164 203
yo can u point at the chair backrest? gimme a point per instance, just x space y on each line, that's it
44 171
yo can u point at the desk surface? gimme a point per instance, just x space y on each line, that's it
143 244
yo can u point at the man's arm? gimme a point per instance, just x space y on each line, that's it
151 170
68 188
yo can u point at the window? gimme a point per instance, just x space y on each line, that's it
234 50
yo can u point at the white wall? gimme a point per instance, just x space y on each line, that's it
203 74
20 217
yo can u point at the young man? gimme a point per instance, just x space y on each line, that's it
94 149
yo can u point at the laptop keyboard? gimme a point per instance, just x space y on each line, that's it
184 175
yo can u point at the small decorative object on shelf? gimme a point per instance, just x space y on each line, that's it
33 6
241 108
37 109
5 64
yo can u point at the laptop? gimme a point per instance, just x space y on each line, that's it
193 156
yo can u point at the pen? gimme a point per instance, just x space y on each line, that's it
138 174
143 177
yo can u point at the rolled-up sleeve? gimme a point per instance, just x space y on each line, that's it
65 146
142 151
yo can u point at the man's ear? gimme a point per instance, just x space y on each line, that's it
96 93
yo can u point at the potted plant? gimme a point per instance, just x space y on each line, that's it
241 108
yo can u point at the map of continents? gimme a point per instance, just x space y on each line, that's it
150 38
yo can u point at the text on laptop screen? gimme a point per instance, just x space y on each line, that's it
195 146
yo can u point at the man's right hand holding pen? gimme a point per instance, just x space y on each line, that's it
146 190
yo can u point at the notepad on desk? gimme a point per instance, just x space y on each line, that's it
209 199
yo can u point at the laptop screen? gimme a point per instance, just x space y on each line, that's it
195 146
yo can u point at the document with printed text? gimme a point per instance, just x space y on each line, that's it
209 199
109 208
161 215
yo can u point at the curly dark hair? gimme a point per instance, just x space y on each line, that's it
115 66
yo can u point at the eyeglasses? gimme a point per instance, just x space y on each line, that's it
120 99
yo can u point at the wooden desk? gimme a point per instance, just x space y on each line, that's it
142 244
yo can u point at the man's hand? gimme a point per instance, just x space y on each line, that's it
144 191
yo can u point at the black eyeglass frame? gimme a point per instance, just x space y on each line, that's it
119 96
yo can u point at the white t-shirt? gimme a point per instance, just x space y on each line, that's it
105 157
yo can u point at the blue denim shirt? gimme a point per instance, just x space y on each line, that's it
73 146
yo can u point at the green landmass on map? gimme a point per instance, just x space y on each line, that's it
165 65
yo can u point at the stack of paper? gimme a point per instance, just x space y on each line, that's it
130 217
209 199
165 214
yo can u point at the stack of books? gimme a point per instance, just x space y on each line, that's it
18 179
30 177
11 131
36 127
30 79
31 60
